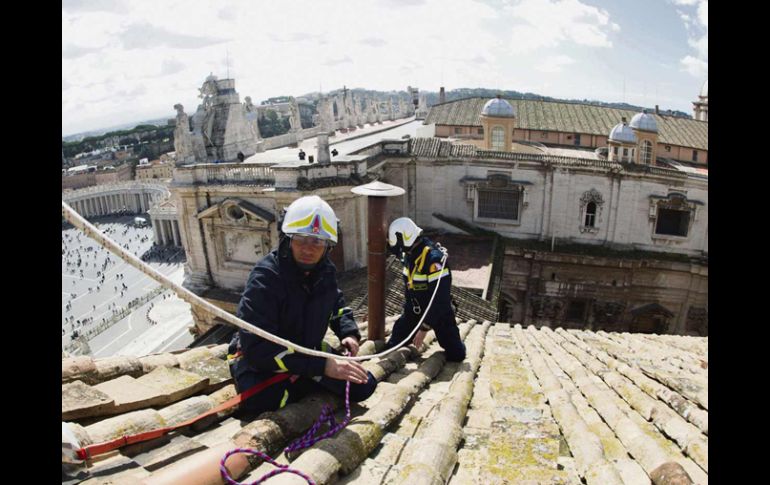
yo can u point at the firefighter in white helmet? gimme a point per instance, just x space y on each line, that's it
292 292
423 270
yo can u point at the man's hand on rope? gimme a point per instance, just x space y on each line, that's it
346 371
351 343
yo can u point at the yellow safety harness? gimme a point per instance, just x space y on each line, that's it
418 264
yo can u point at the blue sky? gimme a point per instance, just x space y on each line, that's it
130 60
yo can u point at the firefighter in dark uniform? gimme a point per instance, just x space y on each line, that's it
292 293
422 271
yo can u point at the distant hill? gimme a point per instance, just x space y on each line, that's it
460 93
126 126
491 93
432 98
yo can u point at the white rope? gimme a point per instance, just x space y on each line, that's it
89 230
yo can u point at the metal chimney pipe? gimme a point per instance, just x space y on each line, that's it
376 193
376 263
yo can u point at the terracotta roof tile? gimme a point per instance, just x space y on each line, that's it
571 118
550 406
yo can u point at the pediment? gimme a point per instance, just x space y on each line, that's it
232 208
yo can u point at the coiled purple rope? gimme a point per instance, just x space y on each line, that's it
327 416
281 468
306 441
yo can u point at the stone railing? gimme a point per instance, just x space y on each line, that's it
342 168
287 176
224 174
114 187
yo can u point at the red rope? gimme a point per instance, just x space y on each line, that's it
100 448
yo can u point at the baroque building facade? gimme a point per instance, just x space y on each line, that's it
587 241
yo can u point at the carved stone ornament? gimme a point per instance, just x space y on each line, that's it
546 307
592 195
607 312
589 196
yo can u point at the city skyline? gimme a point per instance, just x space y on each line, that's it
132 60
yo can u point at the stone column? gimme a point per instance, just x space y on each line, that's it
103 202
163 233
156 230
88 207
175 231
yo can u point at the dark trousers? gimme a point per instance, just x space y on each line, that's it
447 334
289 390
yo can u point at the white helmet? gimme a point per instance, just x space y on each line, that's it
408 229
311 216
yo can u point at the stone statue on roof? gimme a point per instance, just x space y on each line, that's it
294 120
208 91
252 116
182 139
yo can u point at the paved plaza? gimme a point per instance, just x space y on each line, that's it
106 302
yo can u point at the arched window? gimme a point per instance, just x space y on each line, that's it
646 152
498 138
590 214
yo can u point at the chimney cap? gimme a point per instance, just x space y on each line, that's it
378 189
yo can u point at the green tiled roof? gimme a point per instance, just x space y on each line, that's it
571 118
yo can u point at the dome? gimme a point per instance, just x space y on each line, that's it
704 91
622 133
645 122
498 107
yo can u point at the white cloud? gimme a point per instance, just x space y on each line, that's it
695 66
147 36
133 60
554 64
78 6
695 20
701 46
374 41
337 62
550 23
703 13
171 66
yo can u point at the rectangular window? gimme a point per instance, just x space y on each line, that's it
458 130
576 310
481 131
498 204
577 139
625 152
590 219
672 222
695 155
498 138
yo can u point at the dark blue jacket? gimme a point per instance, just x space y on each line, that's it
281 299
425 274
